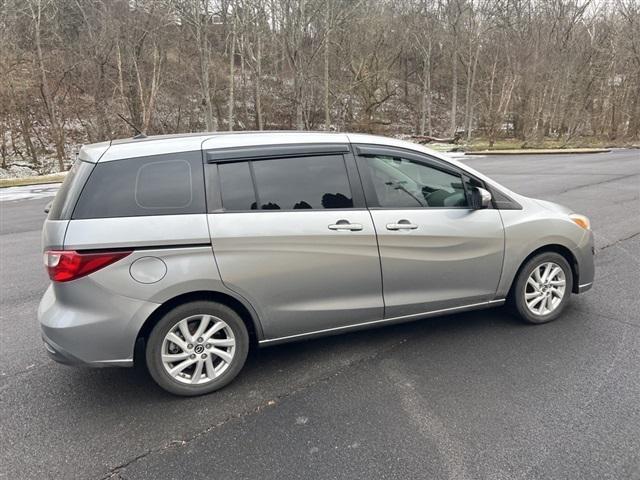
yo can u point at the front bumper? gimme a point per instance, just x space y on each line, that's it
584 287
585 257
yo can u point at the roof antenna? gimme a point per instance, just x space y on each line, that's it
139 134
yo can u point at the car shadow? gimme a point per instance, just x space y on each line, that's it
275 371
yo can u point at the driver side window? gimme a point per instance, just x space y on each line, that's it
403 183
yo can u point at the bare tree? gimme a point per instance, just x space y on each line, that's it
197 16
57 132
567 70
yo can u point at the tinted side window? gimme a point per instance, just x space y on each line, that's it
155 185
302 183
404 183
285 184
66 197
236 186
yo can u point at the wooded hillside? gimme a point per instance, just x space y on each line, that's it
527 69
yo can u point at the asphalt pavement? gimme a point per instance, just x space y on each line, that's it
476 395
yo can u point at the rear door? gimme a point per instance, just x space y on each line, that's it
436 252
291 234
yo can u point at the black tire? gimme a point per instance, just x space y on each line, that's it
517 299
169 321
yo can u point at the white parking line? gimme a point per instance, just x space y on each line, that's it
29 192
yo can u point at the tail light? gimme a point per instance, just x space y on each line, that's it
67 265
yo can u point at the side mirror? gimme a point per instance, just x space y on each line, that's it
48 207
480 198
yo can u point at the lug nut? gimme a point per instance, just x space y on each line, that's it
204 355
208 345
192 356
189 346
200 340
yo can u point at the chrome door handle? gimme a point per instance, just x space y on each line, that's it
402 225
346 226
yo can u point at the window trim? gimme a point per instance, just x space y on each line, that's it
273 152
214 182
367 151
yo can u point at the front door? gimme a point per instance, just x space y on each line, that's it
436 252
295 239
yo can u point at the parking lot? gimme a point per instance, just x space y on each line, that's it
476 395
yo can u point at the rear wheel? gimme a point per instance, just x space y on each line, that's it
543 288
197 348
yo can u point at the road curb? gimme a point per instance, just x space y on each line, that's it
34 180
539 151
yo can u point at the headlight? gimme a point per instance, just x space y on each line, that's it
580 220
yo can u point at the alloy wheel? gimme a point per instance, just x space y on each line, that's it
545 288
198 349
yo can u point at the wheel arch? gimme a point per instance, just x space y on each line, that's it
249 317
559 249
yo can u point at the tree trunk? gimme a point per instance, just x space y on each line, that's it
26 135
425 108
102 120
232 53
203 53
327 39
491 118
406 78
243 77
467 91
3 147
298 94
16 150
148 107
454 88
257 81
327 113
56 128
634 121
613 132
470 94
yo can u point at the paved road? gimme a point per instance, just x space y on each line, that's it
478 395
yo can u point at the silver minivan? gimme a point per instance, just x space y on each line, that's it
183 251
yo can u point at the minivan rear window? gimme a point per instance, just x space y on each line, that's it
169 184
65 199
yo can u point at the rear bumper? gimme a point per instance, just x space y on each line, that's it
88 325
59 354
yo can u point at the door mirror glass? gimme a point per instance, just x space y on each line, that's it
480 198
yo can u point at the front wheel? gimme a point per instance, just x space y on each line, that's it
543 288
197 348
